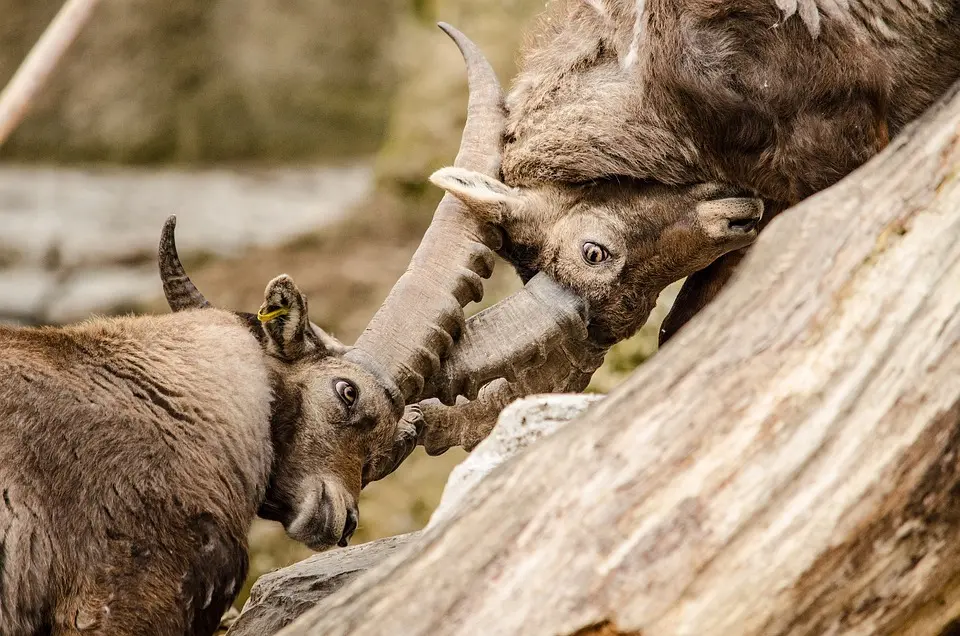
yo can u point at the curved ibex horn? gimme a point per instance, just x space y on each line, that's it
180 291
467 423
517 334
423 313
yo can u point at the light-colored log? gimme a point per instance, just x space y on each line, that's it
788 464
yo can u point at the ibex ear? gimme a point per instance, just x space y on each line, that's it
329 342
283 315
488 197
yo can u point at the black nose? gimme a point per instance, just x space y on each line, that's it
743 225
349 527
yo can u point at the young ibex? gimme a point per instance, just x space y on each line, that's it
135 452
780 97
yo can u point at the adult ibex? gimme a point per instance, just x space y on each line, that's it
779 97
135 452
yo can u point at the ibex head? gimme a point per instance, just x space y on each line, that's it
337 423
334 424
617 244
348 416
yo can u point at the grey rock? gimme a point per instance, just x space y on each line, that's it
77 242
280 597
520 424
90 217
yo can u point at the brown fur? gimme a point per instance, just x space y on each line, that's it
780 97
726 91
651 235
136 451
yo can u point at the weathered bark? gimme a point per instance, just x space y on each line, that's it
788 464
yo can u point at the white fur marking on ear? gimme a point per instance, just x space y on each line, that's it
472 186
634 53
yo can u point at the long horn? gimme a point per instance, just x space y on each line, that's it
423 313
177 287
513 337
468 422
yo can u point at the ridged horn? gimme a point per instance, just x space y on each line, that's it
515 335
423 313
467 423
180 291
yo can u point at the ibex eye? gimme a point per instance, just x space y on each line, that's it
593 253
346 391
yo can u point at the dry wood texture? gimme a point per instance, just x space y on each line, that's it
29 79
789 464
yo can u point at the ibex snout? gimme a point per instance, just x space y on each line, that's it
732 221
327 516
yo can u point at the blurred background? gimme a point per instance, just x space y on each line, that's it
287 135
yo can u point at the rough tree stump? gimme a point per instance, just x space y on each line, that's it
789 464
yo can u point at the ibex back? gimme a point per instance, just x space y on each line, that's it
781 98
784 97
135 452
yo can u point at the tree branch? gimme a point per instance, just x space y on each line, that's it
17 96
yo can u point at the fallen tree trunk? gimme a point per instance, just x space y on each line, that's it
788 464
